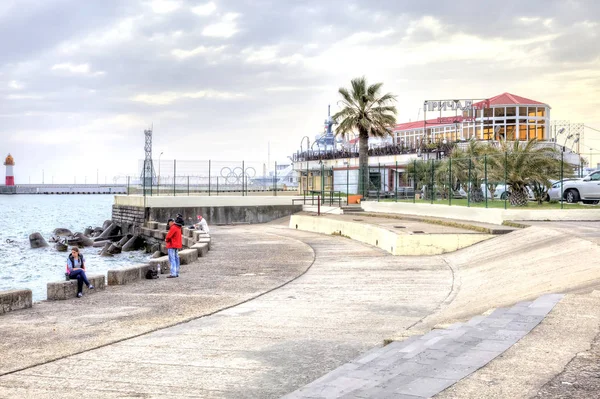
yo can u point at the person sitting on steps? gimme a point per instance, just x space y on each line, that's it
76 270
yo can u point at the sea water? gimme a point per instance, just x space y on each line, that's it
20 215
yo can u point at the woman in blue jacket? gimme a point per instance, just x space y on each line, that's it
76 269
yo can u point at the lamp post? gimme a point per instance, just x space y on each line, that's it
591 149
158 180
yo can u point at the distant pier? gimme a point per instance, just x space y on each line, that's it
64 189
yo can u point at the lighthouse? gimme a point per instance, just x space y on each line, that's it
10 177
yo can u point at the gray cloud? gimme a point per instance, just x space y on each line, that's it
271 80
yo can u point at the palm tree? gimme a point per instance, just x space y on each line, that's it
527 164
371 113
468 167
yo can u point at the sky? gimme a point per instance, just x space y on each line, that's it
232 80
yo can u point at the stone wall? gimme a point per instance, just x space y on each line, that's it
15 300
131 219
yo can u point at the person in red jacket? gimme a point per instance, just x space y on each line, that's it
173 241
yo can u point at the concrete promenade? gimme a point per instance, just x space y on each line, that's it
285 307
352 297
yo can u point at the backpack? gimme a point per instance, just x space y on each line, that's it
151 274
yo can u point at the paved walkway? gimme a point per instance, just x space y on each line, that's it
423 366
352 297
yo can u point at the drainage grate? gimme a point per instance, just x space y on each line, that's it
399 227
418 232
357 220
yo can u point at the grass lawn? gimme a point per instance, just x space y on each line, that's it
499 204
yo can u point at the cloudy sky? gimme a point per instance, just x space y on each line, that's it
81 80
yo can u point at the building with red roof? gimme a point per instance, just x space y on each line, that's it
503 117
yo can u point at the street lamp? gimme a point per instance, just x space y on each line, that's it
158 180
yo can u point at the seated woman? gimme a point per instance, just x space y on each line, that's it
76 269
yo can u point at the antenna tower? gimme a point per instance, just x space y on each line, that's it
148 175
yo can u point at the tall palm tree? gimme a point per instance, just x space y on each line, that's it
370 113
527 164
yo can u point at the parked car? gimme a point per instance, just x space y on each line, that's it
501 192
554 190
586 189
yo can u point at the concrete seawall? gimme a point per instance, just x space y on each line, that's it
131 212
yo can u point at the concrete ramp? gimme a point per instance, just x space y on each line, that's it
517 267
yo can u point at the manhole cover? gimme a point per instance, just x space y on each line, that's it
399 227
357 220
418 232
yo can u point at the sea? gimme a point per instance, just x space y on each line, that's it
20 215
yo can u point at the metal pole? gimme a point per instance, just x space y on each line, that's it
432 173
217 186
347 181
323 182
562 154
505 177
276 178
415 181
174 177
209 165
380 179
470 185
318 205
451 190
144 180
243 174
485 178
396 182
188 178
127 185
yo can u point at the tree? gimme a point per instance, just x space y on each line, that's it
468 167
527 164
370 113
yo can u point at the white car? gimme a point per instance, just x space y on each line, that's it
586 190
554 190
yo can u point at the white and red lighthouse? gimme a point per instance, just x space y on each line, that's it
10 176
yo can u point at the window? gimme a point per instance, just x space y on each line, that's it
541 112
523 132
595 176
510 133
531 111
499 111
540 133
488 112
511 111
522 111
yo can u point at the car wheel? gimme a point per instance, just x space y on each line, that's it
572 196
546 198
504 195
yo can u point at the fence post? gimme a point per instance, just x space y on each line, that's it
127 185
415 181
217 186
347 181
562 154
144 180
276 178
209 165
243 176
505 177
485 179
432 173
451 190
396 182
380 180
188 178
174 177
323 182
470 185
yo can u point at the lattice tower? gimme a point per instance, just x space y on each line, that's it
148 175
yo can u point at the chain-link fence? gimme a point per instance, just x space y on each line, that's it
500 179
175 177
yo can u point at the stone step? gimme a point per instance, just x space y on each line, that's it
422 366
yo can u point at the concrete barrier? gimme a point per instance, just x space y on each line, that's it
62 290
188 256
390 241
483 215
202 249
204 241
185 232
15 300
161 226
129 274
200 234
163 262
152 225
